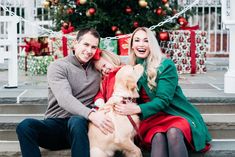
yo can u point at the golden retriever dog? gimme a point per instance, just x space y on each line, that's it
122 139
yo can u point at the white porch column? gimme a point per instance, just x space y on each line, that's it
228 18
11 54
30 30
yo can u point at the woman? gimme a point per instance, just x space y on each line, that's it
171 125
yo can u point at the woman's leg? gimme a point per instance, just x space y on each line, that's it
78 136
159 145
48 133
176 144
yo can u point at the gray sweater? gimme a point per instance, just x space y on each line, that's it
71 88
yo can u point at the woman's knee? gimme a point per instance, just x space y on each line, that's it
174 135
159 138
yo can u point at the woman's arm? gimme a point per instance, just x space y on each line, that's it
161 97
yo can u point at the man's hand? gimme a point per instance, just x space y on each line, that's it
102 121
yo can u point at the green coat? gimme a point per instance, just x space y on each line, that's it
168 97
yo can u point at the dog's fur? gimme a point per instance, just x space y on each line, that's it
122 138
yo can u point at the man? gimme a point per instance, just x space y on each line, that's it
72 84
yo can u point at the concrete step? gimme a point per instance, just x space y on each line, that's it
22 108
217 63
220 148
41 108
221 126
215 107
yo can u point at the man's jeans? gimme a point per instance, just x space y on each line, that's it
54 134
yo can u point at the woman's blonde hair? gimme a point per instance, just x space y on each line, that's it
154 58
111 57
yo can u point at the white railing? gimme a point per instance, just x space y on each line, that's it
31 10
8 48
208 15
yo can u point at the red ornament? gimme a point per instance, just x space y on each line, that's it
128 10
164 1
135 24
158 11
163 36
92 11
65 25
114 28
174 11
78 2
69 11
182 21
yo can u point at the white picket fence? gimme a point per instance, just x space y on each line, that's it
207 14
32 11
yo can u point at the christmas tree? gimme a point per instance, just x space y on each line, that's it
114 17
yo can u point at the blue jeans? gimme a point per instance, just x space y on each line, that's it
54 134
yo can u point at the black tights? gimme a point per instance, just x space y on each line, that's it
170 144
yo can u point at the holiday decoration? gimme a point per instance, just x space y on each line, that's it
110 45
37 46
163 36
136 24
81 1
37 65
143 3
114 28
159 11
128 10
103 14
62 46
22 62
123 46
118 32
46 4
164 1
182 21
187 48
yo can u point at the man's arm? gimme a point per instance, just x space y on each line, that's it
61 88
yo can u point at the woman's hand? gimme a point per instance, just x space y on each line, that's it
102 121
127 108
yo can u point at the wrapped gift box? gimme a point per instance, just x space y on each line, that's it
22 62
110 45
123 45
37 65
187 48
63 45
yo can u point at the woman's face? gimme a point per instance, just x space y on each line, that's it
140 44
104 66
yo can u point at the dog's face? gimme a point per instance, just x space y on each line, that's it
126 80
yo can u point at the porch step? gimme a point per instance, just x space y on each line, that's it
220 148
217 63
41 108
221 126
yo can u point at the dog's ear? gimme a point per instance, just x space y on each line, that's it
130 83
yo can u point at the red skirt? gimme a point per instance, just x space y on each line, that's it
161 122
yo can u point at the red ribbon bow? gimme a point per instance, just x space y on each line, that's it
97 54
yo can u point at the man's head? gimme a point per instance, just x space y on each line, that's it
86 44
